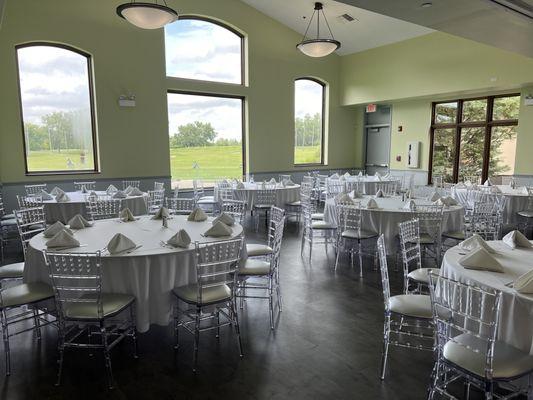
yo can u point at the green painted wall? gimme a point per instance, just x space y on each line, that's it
134 142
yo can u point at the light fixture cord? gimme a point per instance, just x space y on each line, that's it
327 24
308 25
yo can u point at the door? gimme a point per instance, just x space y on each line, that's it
377 138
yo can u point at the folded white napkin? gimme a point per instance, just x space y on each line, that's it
377 175
524 283
225 219
63 239
371 204
354 195
343 198
289 182
180 239
78 222
523 190
62 197
45 196
111 189
360 173
460 185
197 215
93 196
434 196
55 191
409 205
342 178
162 212
468 183
126 215
474 242
135 192
218 229
487 183
120 243
272 181
495 189
480 259
334 176
379 193
516 239
240 185
54 228
128 189
446 201
119 194
347 175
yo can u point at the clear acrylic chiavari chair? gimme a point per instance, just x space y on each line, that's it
29 201
154 201
527 215
264 199
89 186
430 224
8 228
235 208
102 207
84 309
334 187
180 206
213 294
466 320
253 250
387 188
130 183
159 186
485 221
207 202
33 190
314 229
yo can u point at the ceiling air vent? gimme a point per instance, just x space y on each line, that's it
346 18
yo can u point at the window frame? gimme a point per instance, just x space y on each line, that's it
92 106
323 123
225 26
488 123
225 96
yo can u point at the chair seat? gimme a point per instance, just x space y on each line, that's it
256 250
212 295
294 204
426 239
35 227
12 271
26 293
456 235
255 267
526 213
508 361
263 206
316 216
8 222
354 234
206 200
7 216
411 305
112 303
322 225
422 274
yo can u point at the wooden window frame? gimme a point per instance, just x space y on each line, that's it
458 125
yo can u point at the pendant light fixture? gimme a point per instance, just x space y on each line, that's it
147 15
319 47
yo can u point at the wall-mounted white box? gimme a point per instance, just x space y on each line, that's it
412 154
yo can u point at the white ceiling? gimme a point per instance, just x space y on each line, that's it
367 31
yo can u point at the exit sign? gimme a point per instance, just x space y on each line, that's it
370 108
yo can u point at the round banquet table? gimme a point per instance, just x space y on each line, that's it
385 219
369 183
64 211
284 194
516 322
149 273
516 200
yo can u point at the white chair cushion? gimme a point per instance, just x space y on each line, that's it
295 203
526 213
353 234
426 239
322 225
508 361
459 235
317 216
112 303
255 267
8 222
255 250
206 200
216 294
422 274
412 305
12 271
26 293
263 206
8 216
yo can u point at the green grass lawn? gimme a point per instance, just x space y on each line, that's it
307 155
53 161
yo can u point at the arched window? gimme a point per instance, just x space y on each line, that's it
309 113
56 99
205 50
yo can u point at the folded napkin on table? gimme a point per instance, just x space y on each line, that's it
342 178
343 198
360 173
409 205
446 201
495 189
272 181
180 239
78 222
371 204
162 212
120 243
377 175
347 175
487 183
55 191
240 185
225 219
480 259
54 228
45 196
334 176
111 189
474 242
379 193
63 239
523 190
135 192
524 283
62 198
434 196
516 239
468 183
93 195
288 182
126 215
218 229
119 194
355 195
460 185
128 189
386 176
197 215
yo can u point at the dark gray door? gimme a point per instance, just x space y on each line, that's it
377 136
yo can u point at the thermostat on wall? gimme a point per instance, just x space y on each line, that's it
126 101
412 154
528 100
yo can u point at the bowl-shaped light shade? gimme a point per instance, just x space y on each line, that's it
318 47
147 15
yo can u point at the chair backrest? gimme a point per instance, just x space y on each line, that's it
87 185
422 191
159 186
349 217
485 221
465 316
275 243
216 264
30 222
530 198
76 279
437 181
29 201
2 208
32 190
154 200
225 193
235 208
334 187
131 183
103 207
284 177
388 188
180 205
410 248
384 270
353 186
265 197
473 179
198 187
430 220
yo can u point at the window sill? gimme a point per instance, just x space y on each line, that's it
310 165
62 173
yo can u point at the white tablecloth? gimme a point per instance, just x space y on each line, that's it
385 219
66 210
284 195
148 273
369 183
516 321
516 200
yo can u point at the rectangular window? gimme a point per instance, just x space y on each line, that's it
474 139
57 109
206 137
309 108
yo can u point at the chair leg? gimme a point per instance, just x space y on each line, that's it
385 352
196 338
236 326
243 294
218 324
5 334
133 322
280 298
37 323
338 255
270 302
360 253
61 350
489 390
107 355
176 326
